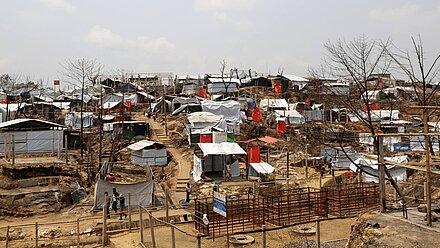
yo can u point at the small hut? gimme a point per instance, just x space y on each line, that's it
148 153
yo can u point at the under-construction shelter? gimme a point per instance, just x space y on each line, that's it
212 158
282 207
140 192
148 153
31 136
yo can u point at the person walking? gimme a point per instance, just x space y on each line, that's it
115 199
122 206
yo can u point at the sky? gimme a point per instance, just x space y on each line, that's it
188 37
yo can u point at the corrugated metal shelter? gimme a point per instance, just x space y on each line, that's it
148 153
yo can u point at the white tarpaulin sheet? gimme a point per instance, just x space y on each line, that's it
266 104
225 148
292 116
219 137
372 166
417 143
34 141
150 157
198 169
141 193
260 168
73 120
229 109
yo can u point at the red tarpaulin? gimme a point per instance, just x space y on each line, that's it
281 127
128 104
202 93
253 154
256 115
206 138
373 106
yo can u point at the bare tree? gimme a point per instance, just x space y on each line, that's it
355 62
8 84
222 71
82 71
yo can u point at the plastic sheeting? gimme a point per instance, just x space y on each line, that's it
260 168
229 109
73 120
150 157
198 169
372 167
34 141
219 137
225 148
268 104
417 143
141 193
292 116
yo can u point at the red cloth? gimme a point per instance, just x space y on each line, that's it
256 115
202 93
254 153
308 101
373 106
111 178
281 127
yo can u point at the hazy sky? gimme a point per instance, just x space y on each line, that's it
194 36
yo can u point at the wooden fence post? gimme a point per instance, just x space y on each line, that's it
153 239
104 222
78 241
199 240
263 228
129 211
173 236
318 234
141 224
7 237
36 234
13 149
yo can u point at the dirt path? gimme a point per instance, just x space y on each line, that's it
183 163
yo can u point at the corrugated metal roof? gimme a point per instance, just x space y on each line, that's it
12 123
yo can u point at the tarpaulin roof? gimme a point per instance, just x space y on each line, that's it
141 145
224 148
266 139
28 124
263 168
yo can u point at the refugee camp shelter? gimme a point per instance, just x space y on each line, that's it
371 168
261 170
274 104
292 116
31 136
73 120
148 153
211 158
203 123
222 85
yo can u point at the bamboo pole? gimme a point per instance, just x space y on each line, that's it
153 239
104 225
36 234
13 149
78 241
263 228
7 237
129 211
318 234
173 235
428 167
141 224
381 176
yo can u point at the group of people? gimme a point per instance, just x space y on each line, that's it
113 201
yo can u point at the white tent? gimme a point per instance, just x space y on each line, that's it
269 104
371 166
292 116
73 120
148 153
260 168
229 109
224 148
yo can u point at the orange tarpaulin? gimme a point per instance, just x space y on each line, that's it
202 93
266 139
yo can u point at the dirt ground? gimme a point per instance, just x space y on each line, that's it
393 232
330 231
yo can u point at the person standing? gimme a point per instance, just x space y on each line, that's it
122 206
188 192
115 199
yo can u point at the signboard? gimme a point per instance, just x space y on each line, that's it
56 82
401 147
220 204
